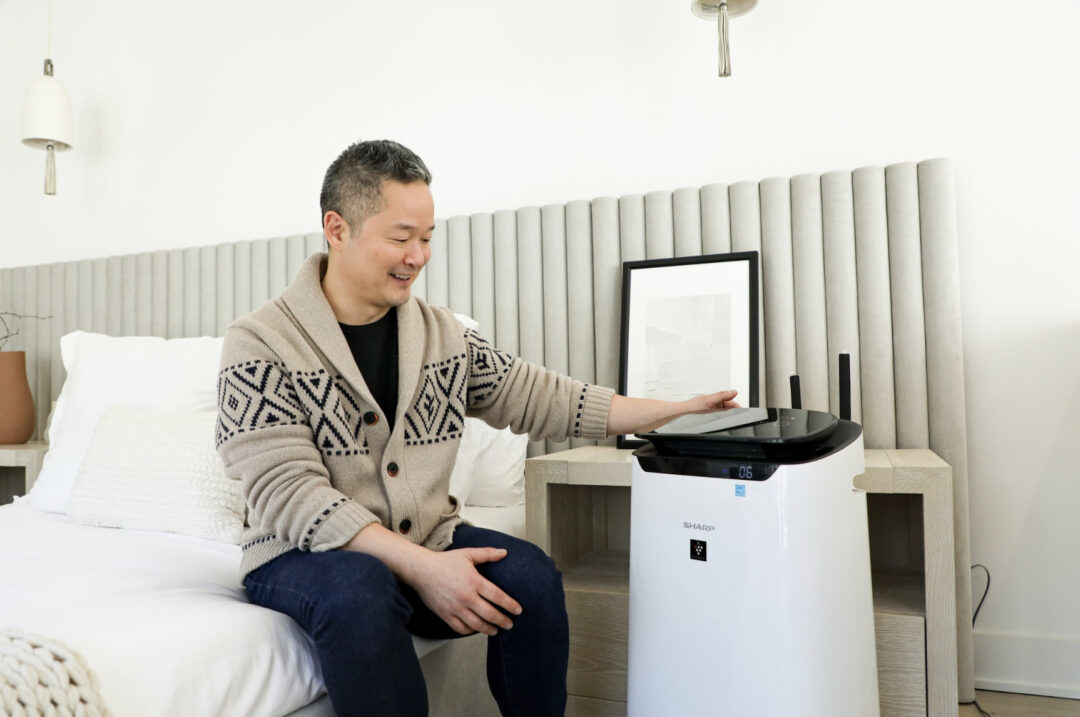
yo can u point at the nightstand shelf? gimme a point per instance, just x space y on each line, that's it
578 510
599 570
19 468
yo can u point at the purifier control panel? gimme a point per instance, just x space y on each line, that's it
744 471
707 467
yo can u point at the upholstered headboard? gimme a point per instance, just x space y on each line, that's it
863 262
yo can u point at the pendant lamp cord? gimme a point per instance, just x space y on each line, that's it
48 42
724 69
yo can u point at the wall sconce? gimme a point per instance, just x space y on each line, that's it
47 116
721 10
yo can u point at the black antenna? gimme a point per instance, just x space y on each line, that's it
845 387
796 393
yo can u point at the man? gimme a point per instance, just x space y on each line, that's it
341 408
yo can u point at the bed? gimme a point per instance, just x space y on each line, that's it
121 592
144 592
127 602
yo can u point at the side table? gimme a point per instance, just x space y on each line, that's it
578 510
19 468
909 498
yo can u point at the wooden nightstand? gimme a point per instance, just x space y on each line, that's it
19 468
578 510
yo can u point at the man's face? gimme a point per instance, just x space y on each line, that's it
385 255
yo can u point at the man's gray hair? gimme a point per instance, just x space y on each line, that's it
354 181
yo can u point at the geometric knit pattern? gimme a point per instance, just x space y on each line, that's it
488 367
256 541
39 676
580 411
259 394
305 540
334 413
439 411
255 394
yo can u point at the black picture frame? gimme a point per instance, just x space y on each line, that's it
679 290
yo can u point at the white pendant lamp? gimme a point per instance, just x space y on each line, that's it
721 10
47 120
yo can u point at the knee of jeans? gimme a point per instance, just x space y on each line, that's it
528 575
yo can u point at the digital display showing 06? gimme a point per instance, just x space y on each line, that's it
748 471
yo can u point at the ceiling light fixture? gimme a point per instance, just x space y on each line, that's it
721 10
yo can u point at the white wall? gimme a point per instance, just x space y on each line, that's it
205 122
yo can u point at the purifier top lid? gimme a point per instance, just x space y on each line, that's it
785 429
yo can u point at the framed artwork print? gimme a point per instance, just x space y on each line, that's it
689 327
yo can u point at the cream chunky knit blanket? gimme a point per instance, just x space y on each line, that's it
39 676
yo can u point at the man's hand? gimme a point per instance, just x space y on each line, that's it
447 582
639 415
712 402
450 585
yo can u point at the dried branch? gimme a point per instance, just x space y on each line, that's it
6 330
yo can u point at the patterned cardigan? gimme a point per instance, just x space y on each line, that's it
298 427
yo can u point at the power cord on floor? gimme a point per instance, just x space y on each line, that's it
986 591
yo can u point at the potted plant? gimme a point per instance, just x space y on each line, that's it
16 401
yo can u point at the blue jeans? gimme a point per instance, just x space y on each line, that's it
362 621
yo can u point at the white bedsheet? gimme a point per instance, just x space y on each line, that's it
509 520
161 619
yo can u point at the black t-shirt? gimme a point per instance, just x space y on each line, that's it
374 346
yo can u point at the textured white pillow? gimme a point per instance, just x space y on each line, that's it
144 372
149 470
461 477
490 466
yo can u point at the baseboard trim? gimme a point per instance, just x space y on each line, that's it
1027 664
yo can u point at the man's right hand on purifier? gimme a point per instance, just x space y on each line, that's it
639 415
711 402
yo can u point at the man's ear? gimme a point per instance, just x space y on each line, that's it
335 229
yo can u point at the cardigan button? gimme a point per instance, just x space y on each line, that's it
405 526
371 418
392 468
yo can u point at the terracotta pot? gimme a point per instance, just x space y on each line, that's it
16 402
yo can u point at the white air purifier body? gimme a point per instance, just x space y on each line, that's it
750 589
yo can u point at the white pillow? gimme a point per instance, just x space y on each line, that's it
470 322
150 470
490 466
142 372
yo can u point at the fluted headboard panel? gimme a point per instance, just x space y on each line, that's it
863 262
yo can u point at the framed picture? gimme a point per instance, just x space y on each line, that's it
689 326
